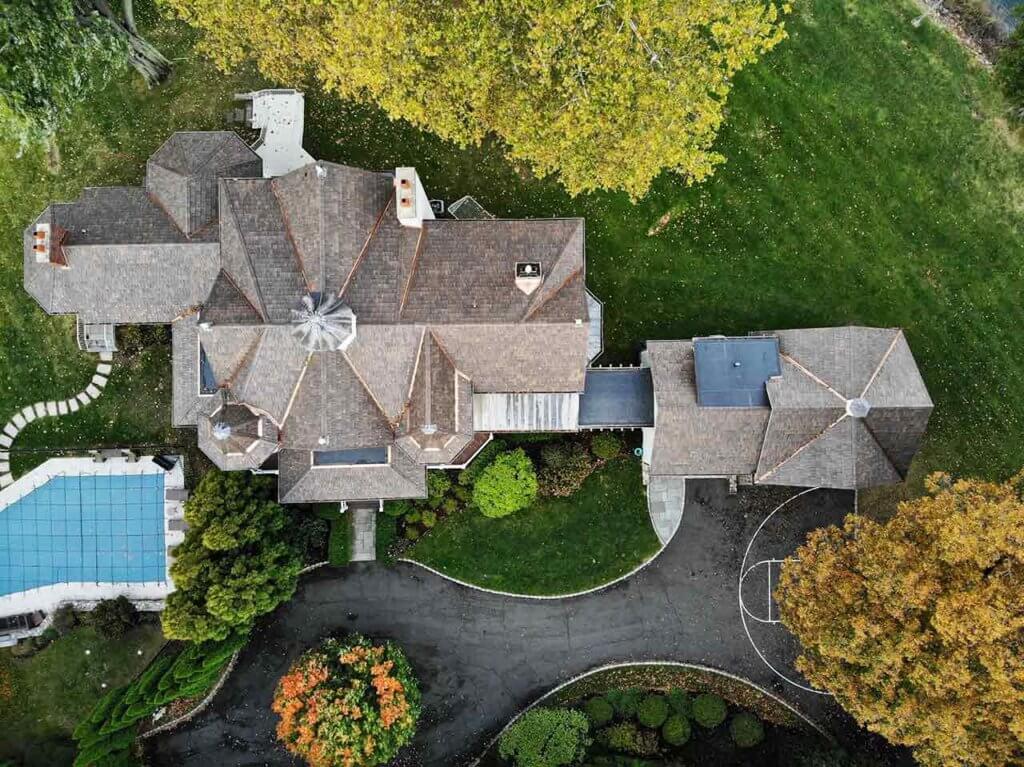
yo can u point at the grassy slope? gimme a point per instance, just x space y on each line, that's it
106 143
870 179
558 545
56 687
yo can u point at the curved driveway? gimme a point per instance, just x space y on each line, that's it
481 657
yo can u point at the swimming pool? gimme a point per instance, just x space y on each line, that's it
101 529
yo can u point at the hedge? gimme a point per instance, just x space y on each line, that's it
338 541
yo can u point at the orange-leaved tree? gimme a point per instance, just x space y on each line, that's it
348 703
917 625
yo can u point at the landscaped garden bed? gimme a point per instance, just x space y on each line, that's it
654 715
587 525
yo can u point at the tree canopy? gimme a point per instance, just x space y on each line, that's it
55 53
236 563
916 625
507 485
606 94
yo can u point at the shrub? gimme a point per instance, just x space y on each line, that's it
599 711
625 702
676 730
606 446
238 560
398 509
546 737
348 702
462 494
652 711
113 618
64 619
506 486
438 484
746 730
412 533
483 459
679 700
565 466
451 505
630 739
709 710
429 519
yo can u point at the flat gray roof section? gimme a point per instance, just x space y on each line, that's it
732 372
617 398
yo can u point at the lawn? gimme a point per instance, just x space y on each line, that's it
871 178
557 545
52 690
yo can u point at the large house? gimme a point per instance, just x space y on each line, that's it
328 326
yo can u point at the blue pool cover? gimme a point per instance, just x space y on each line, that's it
84 529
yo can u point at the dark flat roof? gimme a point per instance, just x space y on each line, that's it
621 397
731 372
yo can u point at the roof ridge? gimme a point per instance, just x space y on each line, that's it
538 302
537 307
359 377
288 232
246 356
232 201
885 358
800 449
294 395
820 381
240 292
366 246
412 270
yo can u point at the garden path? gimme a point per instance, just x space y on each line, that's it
51 409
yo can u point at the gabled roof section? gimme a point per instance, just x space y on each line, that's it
333 410
257 250
465 270
182 174
227 305
384 356
270 373
301 482
331 211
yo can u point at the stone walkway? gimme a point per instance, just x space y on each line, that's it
364 531
51 409
665 497
482 657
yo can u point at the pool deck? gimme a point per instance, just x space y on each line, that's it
145 594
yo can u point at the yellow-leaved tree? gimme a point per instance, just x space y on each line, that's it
917 625
605 93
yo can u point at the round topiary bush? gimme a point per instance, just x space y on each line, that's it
746 730
348 702
599 711
606 446
625 702
676 730
679 700
709 710
652 711
506 486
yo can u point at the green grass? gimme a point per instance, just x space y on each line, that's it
557 545
55 688
339 542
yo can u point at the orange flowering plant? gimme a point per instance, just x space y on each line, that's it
348 703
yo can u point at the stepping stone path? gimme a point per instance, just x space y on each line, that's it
50 409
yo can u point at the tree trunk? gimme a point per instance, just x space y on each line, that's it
142 55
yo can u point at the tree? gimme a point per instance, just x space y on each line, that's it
237 562
113 618
604 93
348 703
55 53
506 486
546 737
916 625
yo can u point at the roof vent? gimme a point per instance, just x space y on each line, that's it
528 276
221 431
858 407
324 323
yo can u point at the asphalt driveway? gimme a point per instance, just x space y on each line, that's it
480 657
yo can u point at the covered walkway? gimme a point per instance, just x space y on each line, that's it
617 398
